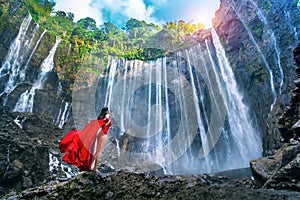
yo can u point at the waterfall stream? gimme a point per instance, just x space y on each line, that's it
23 71
63 114
274 43
270 72
185 112
13 62
26 100
245 136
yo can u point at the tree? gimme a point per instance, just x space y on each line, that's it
48 5
60 13
70 16
134 23
87 23
109 28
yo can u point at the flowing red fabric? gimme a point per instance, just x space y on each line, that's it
81 146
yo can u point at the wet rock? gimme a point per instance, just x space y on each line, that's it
287 178
16 93
289 122
265 169
24 151
129 185
13 173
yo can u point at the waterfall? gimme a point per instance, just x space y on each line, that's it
55 166
292 27
19 121
25 102
147 146
245 136
262 56
298 5
111 77
203 135
23 71
169 103
271 34
63 114
16 57
15 47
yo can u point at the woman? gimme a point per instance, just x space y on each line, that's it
83 148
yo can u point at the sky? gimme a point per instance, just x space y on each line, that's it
151 11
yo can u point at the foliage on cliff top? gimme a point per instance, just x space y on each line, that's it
129 42
136 40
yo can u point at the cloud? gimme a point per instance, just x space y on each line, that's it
158 2
80 9
151 11
137 9
126 9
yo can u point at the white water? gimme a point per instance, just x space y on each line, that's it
288 21
112 72
203 135
16 56
298 5
147 145
245 136
23 71
55 165
152 110
167 140
63 114
59 89
19 121
118 146
15 47
144 108
262 56
25 102
216 96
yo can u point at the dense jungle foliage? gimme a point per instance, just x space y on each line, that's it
136 40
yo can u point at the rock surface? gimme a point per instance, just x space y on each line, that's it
25 144
128 184
281 170
251 41
289 122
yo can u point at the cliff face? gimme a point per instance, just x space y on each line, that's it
282 169
259 38
289 124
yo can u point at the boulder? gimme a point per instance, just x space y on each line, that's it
265 168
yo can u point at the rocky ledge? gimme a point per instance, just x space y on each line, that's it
131 184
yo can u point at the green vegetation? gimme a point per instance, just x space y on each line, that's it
259 29
3 16
136 40
264 5
258 76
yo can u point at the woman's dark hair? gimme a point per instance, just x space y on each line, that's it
103 112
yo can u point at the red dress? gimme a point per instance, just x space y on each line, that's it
81 147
